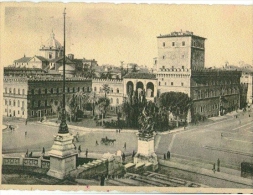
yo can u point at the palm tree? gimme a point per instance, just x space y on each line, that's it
106 88
80 96
92 98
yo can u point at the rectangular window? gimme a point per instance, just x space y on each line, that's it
18 91
173 44
171 83
182 67
23 113
183 43
182 84
5 89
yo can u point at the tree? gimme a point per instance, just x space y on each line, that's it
56 107
177 103
80 98
93 98
102 105
106 88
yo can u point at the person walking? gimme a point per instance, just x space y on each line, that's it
214 167
168 155
79 149
123 157
218 165
133 154
86 153
43 151
124 146
97 143
25 133
26 154
25 121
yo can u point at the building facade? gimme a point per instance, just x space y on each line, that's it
180 67
31 97
115 94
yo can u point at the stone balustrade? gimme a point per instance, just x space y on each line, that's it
28 162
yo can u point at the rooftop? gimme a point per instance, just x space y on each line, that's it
140 75
180 34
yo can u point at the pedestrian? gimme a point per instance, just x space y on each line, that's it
97 143
124 146
249 115
106 138
25 133
102 181
77 137
25 121
43 151
123 157
214 167
26 154
221 135
31 155
86 153
133 154
79 149
116 130
164 156
218 165
168 155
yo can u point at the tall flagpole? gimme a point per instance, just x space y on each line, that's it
63 129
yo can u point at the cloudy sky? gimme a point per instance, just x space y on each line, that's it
112 33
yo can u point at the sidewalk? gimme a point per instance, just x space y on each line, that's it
206 169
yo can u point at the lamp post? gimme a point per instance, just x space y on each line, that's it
63 129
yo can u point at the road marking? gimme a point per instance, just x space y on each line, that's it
241 126
238 140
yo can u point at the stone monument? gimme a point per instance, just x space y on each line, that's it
146 145
62 154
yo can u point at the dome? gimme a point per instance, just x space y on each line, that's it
52 42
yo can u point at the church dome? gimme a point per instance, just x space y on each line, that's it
52 42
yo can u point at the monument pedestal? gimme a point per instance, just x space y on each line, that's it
62 156
146 151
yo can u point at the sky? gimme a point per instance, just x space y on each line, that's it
112 33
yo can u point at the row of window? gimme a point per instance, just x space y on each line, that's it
213 107
213 93
173 44
39 113
14 103
117 100
59 90
194 44
171 83
14 91
10 113
101 90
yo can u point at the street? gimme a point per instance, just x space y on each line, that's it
230 140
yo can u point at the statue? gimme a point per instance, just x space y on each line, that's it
146 123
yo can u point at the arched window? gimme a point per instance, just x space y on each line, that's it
95 88
18 103
39 102
18 91
52 90
57 90
45 91
14 91
117 90
10 102
117 100
39 91
14 103
111 101
78 89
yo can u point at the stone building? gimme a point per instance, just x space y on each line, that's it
180 67
31 97
115 94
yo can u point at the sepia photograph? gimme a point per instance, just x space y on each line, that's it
127 97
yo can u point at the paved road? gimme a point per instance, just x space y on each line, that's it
205 143
200 143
